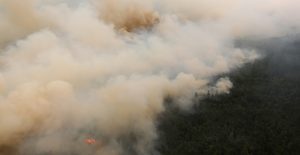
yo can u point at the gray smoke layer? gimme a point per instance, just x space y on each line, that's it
71 70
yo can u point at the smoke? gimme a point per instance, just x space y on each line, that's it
71 70
127 15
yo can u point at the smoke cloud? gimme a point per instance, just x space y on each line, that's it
71 70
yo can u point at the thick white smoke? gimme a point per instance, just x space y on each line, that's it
70 70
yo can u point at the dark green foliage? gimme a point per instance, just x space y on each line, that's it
261 115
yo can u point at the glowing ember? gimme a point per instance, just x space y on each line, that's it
90 141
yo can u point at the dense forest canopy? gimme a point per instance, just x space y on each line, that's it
259 116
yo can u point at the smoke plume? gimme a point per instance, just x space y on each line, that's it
71 70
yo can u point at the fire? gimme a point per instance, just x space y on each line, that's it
90 141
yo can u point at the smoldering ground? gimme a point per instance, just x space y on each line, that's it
73 70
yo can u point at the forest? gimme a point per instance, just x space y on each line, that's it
260 116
